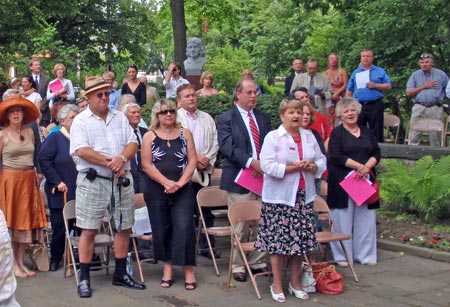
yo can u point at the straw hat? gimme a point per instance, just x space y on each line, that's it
94 83
201 177
30 111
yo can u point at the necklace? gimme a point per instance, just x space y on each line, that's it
21 137
352 131
167 139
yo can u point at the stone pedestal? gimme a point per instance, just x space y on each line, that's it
194 80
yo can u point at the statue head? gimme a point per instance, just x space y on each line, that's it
194 48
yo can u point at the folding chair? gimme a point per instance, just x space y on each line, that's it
446 131
101 240
392 128
139 204
48 229
215 177
327 236
243 212
211 197
426 125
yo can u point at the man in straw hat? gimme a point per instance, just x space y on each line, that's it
103 142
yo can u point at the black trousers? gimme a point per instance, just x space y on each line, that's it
372 115
172 223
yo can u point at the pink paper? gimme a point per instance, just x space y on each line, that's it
359 190
55 86
246 180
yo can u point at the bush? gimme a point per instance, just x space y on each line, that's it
423 188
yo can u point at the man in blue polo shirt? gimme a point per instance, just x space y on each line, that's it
427 86
367 84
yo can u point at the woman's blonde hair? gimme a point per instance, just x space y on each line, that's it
59 66
171 105
290 103
206 75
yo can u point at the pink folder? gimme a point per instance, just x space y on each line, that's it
246 180
55 86
359 190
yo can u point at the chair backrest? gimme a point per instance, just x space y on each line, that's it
139 201
321 206
69 210
212 197
426 125
391 120
215 176
244 211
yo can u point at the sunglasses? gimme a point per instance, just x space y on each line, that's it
426 56
100 95
165 112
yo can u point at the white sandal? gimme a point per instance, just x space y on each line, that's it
277 297
298 293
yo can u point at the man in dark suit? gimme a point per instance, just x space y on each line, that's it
240 143
42 82
297 66
133 112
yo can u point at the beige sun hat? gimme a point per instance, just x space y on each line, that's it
94 83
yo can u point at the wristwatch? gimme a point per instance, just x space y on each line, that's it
125 160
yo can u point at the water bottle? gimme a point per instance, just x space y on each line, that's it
129 266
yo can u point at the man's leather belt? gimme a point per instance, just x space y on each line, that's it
429 105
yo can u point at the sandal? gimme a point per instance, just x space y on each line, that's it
166 283
18 273
298 293
28 272
189 286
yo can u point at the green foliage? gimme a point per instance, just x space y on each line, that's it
218 104
423 188
227 66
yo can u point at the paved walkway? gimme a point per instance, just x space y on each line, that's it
397 280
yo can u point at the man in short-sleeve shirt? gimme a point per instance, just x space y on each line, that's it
367 84
103 142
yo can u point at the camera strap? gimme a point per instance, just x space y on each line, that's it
113 206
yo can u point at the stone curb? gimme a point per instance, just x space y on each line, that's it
414 250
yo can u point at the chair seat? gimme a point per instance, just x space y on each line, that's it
324 216
222 231
220 213
248 246
327 236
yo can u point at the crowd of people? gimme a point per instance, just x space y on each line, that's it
99 151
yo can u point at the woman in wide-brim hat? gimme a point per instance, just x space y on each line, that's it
20 199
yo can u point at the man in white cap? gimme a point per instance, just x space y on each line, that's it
103 142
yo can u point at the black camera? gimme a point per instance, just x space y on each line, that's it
91 174
123 182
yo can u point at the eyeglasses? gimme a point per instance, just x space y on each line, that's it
165 112
426 56
100 95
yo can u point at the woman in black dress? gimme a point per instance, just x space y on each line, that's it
134 87
169 159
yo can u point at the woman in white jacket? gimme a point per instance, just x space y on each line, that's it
291 159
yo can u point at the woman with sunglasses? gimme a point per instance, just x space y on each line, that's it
134 86
168 159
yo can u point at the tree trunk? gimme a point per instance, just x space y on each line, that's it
179 31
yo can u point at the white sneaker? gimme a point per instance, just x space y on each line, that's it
371 262
342 263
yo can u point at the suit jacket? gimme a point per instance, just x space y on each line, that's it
57 165
288 84
136 167
209 135
42 90
320 80
235 145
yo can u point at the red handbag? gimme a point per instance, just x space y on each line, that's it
376 185
328 280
